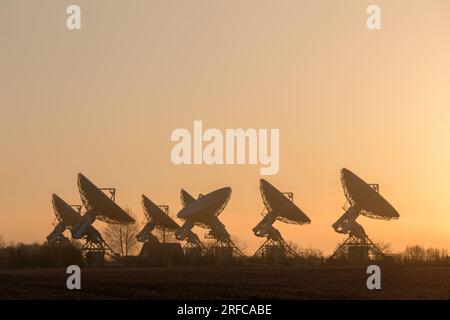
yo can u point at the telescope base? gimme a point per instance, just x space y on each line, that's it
357 249
94 252
224 250
275 250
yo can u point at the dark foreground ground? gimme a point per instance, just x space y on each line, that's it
228 283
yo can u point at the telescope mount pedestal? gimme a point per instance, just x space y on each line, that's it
94 252
220 245
357 248
269 246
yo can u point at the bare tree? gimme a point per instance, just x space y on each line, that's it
242 245
385 247
295 247
308 254
414 253
122 237
418 254
2 253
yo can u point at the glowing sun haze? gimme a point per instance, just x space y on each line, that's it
104 101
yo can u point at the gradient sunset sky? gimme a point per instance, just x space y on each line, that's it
104 101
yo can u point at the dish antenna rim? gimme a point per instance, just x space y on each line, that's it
214 202
65 212
94 199
270 193
154 214
363 196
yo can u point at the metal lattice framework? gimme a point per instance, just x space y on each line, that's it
357 242
194 244
98 246
223 243
280 243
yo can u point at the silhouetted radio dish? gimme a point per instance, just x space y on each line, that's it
203 212
362 198
222 246
284 209
279 206
207 206
98 206
157 217
97 201
186 198
67 218
64 212
360 194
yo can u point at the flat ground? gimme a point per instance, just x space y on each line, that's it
228 283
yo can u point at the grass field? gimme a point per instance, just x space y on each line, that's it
228 283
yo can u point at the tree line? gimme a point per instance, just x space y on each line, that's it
40 255
123 242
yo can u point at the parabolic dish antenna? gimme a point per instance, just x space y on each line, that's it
156 219
67 219
206 207
223 245
64 212
279 206
94 199
361 195
186 198
160 220
157 216
200 212
362 198
98 206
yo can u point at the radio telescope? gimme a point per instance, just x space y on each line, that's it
98 206
158 219
217 231
67 218
362 198
278 206
203 212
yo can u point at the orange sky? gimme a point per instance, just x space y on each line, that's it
104 100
